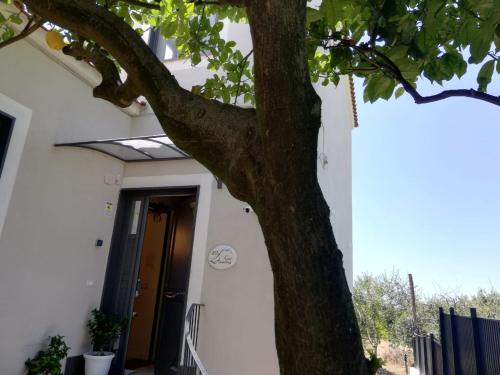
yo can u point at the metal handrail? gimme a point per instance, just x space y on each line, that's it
191 362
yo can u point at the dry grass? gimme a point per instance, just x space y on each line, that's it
394 359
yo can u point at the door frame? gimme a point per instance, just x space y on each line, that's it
206 184
114 269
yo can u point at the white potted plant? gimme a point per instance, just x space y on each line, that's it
104 330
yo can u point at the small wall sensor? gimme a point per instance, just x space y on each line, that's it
323 159
99 242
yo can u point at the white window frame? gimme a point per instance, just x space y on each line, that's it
22 120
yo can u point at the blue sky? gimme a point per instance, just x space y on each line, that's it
426 190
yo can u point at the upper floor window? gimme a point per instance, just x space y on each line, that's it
164 49
6 125
15 121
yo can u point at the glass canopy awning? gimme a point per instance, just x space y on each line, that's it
149 148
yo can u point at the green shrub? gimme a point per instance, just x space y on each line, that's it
104 330
48 362
374 363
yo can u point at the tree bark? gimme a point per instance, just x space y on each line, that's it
316 328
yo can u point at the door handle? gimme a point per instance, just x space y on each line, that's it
172 295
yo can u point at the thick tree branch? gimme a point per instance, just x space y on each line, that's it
112 89
196 2
141 4
28 29
420 99
388 66
220 136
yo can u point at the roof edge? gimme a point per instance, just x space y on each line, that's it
353 101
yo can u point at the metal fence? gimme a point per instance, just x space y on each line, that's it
468 346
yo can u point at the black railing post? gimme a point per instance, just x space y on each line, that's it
415 351
442 334
425 355
420 354
418 358
454 346
477 343
433 359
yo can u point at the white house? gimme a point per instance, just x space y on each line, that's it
129 223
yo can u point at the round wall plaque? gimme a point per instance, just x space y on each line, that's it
222 257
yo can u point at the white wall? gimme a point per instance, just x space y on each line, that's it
335 176
237 323
51 274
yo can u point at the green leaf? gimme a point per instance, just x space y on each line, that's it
335 78
226 98
195 58
479 47
7 33
420 44
340 58
399 92
14 18
378 86
332 11
218 27
312 15
168 29
387 88
485 74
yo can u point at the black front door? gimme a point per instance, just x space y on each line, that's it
121 283
174 290
123 265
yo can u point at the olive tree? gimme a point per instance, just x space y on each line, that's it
267 154
383 307
486 302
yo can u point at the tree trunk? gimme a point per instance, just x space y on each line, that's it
316 328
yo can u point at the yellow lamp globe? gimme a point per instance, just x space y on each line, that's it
54 40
